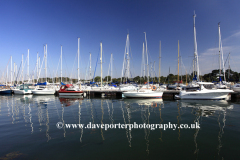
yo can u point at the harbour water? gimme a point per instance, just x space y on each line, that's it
34 127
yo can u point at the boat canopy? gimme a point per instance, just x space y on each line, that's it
44 83
195 78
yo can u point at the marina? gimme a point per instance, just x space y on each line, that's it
32 121
119 80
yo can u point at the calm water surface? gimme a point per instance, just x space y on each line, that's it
28 129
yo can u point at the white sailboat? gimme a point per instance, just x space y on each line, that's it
27 87
202 92
221 85
145 92
126 69
44 89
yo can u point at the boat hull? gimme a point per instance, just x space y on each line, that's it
43 92
6 91
70 93
236 89
143 94
201 95
22 91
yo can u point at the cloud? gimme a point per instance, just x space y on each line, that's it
209 60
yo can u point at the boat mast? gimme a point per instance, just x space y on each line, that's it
101 62
90 67
229 67
61 63
28 68
37 66
111 65
221 54
128 58
143 63
7 77
219 49
22 68
11 71
178 61
16 75
147 60
125 64
78 57
14 72
154 70
195 47
159 61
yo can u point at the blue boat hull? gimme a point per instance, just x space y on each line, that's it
6 92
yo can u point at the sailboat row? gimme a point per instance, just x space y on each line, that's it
194 90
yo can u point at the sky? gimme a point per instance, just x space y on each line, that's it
28 24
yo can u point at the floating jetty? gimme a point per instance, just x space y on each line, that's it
167 95
170 94
103 93
235 96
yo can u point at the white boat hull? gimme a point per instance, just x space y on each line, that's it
138 94
201 95
236 89
22 91
43 92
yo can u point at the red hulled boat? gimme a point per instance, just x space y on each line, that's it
69 90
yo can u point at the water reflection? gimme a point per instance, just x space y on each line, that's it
36 116
67 101
147 102
146 107
206 109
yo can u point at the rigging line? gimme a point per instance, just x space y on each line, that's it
18 71
226 60
87 70
73 66
40 69
65 63
96 64
114 68
51 73
57 66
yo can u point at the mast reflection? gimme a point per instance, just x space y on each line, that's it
207 108
145 106
67 101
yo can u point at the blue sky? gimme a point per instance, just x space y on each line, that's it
27 24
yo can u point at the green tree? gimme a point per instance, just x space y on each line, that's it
107 78
97 79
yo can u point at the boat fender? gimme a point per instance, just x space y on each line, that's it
154 88
154 106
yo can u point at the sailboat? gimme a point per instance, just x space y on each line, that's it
25 88
6 89
146 91
126 70
70 89
202 92
221 85
44 88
